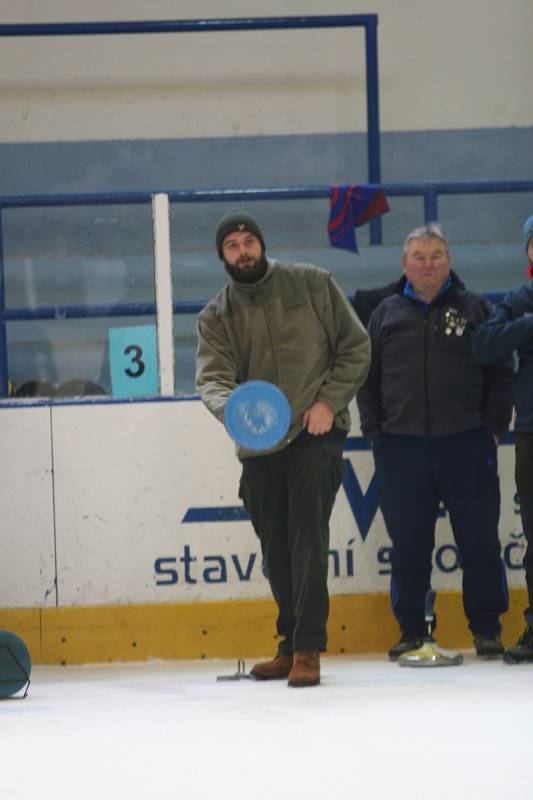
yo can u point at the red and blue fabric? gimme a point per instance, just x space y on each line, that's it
351 207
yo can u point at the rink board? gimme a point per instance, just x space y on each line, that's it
127 506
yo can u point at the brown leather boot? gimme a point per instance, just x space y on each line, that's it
306 668
274 670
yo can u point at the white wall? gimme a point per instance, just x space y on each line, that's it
447 65
27 546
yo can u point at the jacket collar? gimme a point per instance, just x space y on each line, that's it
453 283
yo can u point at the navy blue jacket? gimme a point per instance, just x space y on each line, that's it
510 329
423 380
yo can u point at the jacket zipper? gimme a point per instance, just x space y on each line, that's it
426 383
272 350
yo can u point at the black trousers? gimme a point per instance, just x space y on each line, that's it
524 485
289 496
413 476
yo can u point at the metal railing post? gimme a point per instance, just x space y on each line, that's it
431 213
372 104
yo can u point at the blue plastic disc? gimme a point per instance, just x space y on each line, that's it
257 415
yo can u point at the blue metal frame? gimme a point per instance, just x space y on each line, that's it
429 190
374 139
187 25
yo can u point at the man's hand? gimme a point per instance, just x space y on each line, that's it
318 418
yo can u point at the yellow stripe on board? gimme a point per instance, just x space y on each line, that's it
358 624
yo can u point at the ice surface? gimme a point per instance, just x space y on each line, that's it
372 730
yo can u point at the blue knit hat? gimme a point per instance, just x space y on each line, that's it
528 230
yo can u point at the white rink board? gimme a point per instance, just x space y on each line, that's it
27 568
145 501
126 477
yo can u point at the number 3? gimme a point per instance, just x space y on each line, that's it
136 359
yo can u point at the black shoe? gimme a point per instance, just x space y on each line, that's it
523 649
488 646
405 645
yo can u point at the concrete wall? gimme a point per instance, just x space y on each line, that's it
256 108
442 66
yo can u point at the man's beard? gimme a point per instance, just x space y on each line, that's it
250 274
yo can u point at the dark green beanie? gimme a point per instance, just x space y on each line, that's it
236 220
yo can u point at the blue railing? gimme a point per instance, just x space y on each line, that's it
428 191
186 25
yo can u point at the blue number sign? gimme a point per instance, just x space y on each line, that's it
133 361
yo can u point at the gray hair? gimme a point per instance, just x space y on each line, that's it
430 231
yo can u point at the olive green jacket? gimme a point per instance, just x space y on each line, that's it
296 329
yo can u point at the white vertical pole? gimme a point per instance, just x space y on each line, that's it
163 294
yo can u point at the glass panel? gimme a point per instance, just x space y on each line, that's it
103 256
81 256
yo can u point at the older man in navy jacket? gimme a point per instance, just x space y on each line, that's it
434 419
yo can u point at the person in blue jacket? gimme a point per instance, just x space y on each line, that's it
510 329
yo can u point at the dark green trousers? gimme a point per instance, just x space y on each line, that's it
289 496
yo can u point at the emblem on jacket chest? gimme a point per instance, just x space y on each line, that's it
455 324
